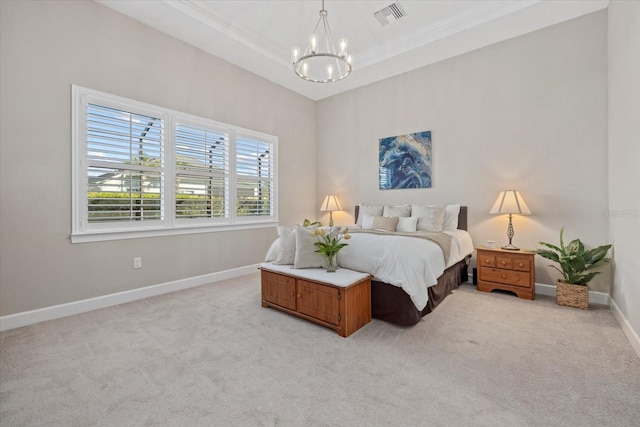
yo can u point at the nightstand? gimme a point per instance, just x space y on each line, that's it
512 271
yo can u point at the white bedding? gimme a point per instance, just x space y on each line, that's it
410 263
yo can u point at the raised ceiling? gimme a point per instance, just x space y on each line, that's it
258 35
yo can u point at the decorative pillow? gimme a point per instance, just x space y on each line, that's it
385 223
286 246
306 255
407 225
431 218
272 253
367 221
373 210
399 211
451 213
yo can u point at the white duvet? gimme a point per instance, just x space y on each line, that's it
411 263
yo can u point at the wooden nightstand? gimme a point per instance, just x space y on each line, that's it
512 271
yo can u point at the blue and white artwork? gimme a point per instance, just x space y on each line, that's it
405 161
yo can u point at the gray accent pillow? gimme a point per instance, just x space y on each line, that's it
306 255
385 223
399 210
272 253
373 210
407 225
451 213
286 246
430 218
367 222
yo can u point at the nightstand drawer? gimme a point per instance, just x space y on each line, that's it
507 277
487 261
504 262
522 264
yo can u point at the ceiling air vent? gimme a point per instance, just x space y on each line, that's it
395 10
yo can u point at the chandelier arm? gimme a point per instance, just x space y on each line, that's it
315 29
329 36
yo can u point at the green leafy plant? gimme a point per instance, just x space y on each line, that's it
329 243
308 223
577 265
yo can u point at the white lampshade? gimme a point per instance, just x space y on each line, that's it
510 202
330 203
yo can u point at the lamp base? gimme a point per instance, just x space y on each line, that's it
510 247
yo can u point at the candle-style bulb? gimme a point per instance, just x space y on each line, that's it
313 43
343 47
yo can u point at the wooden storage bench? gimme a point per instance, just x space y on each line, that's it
340 301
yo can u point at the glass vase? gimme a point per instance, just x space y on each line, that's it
332 264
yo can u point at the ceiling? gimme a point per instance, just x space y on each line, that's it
258 35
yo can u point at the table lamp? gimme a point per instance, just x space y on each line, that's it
330 203
510 202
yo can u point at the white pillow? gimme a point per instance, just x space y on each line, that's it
407 224
306 255
367 221
451 213
373 210
399 211
272 253
286 246
430 218
387 223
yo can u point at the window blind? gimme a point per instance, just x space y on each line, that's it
124 154
254 181
202 172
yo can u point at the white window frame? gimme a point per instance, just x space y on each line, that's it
83 231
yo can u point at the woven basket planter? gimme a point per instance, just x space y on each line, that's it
571 295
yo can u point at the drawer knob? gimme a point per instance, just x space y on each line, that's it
504 276
299 295
487 261
504 263
520 264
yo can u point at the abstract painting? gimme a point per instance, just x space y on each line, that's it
405 161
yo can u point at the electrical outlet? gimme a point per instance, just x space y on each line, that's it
137 262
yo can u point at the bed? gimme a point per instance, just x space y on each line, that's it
413 272
392 304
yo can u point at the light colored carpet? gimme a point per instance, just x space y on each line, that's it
211 356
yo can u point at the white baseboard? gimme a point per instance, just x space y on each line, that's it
594 297
550 290
628 330
25 318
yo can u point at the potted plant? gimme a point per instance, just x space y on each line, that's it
578 266
329 243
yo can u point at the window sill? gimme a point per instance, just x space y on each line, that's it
106 235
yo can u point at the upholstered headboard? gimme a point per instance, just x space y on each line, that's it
462 217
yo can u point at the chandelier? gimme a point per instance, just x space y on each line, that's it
321 62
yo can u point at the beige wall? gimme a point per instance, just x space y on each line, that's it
46 46
624 156
529 113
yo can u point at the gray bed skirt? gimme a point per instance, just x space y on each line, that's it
391 303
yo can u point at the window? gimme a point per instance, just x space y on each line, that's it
202 172
141 170
124 165
254 176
